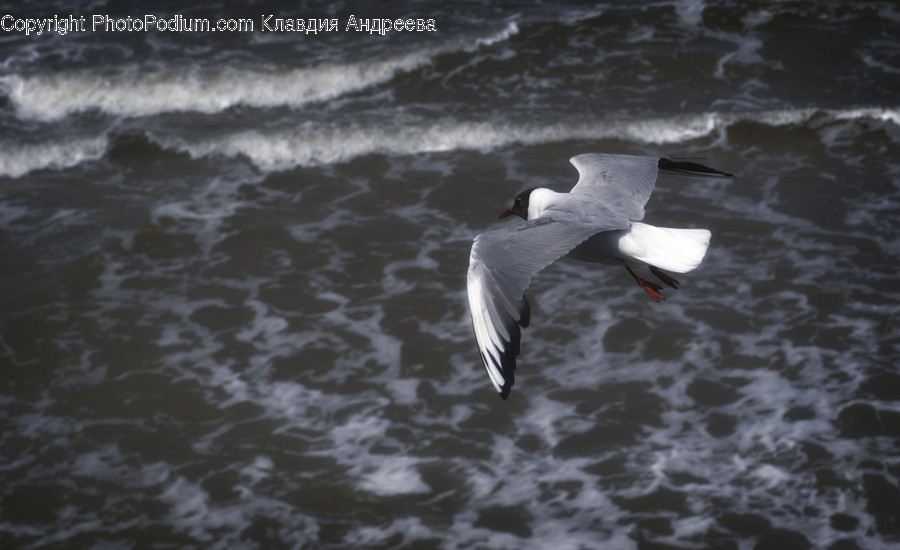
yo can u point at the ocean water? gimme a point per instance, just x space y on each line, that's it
232 280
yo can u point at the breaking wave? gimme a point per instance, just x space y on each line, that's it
316 145
140 91
312 145
20 159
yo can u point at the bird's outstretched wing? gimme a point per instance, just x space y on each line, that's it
501 265
623 183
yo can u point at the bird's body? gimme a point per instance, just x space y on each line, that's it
598 222
678 250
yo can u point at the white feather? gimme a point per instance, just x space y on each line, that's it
677 250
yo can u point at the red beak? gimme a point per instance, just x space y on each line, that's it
506 213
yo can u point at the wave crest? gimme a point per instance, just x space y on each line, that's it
139 91
310 144
20 159
133 92
317 145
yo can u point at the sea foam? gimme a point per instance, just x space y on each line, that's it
17 159
140 91
321 144
311 145
134 91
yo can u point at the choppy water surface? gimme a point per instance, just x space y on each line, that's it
232 282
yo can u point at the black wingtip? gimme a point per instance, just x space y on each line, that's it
509 377
525 313
691 168
511 346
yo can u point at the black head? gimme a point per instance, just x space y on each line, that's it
520 205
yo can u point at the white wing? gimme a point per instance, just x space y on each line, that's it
501 265
622 183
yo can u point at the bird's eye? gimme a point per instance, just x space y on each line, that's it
518 202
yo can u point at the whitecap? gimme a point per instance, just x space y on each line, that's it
137 91
141 91
313 145
16 160
511 29
318 145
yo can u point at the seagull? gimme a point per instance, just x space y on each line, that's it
597 221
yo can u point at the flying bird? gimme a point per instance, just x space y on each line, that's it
597 221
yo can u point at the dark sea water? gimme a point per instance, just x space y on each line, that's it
232 280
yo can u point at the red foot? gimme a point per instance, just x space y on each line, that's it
652 289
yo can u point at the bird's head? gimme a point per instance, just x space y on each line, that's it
520 205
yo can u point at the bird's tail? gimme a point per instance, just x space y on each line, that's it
676 250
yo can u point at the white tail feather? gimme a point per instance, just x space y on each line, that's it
677 250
